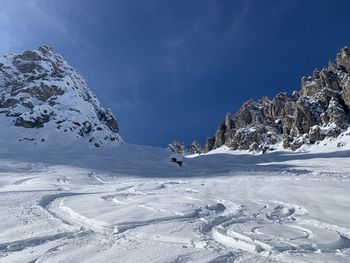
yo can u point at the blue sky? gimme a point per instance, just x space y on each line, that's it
173 69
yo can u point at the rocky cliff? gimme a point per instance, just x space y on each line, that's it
42 99
319 110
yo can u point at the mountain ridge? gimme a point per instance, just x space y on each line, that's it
319 110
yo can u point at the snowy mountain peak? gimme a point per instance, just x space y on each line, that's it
43 99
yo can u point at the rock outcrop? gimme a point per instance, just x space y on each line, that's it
41 94
319 110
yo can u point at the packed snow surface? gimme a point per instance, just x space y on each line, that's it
131 204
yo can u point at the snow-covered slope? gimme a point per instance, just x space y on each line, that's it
45 101
131 204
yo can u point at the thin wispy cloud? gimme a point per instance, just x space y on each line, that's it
210 24
28 23
243 14
23 22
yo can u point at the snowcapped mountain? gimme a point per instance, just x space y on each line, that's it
43 100
319 111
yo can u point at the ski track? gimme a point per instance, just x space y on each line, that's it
251 227
31 242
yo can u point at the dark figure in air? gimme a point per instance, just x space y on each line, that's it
174 160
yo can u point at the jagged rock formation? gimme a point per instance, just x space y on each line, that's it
44 97
319 110
194 148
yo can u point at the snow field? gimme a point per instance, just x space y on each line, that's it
133 205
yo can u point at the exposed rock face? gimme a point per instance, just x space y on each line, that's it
194 147
41 93
319 110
